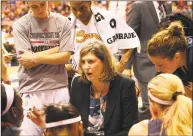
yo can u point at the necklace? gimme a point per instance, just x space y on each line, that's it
98 93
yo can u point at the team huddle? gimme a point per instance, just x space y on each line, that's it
100 97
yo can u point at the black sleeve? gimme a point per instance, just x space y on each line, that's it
73 92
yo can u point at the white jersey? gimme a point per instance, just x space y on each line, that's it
84 34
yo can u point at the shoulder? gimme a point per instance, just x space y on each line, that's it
190 47
139 3
139 6
22 22
140 128
124 79
76 81
190 61
104 12
61 20
60 17
124 84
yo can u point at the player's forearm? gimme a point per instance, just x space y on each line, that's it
53 59
49 51
125 57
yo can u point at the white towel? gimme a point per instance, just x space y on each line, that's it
114 32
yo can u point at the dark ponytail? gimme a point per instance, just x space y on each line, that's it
184 18
176 29
60 112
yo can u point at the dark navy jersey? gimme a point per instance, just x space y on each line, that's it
187 75
189 56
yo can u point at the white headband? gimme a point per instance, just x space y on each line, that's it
63 122
164 102
10 96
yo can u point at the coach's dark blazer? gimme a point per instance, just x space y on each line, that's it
121 110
